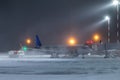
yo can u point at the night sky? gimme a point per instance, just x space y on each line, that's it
53 20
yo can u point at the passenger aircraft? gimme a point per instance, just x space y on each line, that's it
52 51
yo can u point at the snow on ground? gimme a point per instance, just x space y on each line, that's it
59 77
59 69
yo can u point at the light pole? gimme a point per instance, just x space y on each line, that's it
116 3
108 25
107 18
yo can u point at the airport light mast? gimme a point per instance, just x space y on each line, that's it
116 3
108 25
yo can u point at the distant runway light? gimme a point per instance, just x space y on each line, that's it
24 48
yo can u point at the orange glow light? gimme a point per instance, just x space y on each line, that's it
72 41
96 37
28 41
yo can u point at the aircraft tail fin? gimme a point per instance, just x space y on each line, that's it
37 42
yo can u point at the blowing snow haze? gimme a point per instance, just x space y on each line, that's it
52 20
